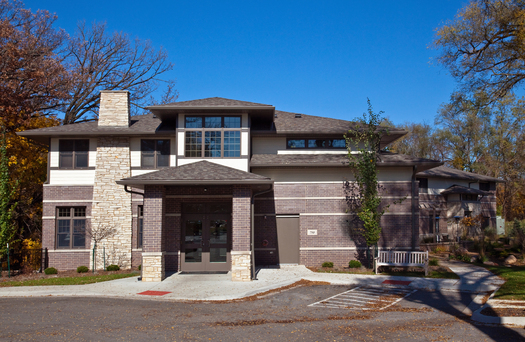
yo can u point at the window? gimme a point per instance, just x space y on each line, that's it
140 226
155 153
423 185
469 197
436 222
316 143
213 136
71 227
73 154
484 186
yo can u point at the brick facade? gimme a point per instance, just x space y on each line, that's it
322 207
65 197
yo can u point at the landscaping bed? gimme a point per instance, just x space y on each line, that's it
433 271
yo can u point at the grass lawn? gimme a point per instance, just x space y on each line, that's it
88 279
514 288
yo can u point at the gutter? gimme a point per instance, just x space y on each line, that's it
131 191
252 237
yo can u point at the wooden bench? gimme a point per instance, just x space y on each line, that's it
397 258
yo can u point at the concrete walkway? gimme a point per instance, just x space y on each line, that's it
473 279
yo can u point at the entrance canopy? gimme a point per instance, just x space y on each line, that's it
198 173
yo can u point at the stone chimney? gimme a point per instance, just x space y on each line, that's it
114 108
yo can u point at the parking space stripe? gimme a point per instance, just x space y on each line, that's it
361 297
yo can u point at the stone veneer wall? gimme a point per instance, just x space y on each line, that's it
111 204
333 241
114 108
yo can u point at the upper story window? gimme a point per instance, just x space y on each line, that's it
423 185
155 153
73 154
213 136
485 186
316 143
71 227
469 197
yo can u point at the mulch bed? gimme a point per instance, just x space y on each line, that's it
503 312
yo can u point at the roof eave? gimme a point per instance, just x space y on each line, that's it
192 182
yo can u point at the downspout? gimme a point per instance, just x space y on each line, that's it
252 237
413 207
132 192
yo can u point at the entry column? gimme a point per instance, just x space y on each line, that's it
153 255
240 254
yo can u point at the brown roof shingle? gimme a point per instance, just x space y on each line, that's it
212 102
450 173
458 189
334 160
201 172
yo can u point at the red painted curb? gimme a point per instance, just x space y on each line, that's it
154 293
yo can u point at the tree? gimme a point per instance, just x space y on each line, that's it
464 124
28 169
362 195
484 46
32 79
421 141
101 61
7 228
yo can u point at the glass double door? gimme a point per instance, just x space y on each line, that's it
206 242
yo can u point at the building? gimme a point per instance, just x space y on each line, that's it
447 195
213 185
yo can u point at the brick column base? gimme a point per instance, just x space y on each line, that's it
153 266
241 265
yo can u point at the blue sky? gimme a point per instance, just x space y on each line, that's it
320 58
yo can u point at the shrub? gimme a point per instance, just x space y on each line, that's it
50 270
82 269
140 267
497 245
112 268
433 262
328 264
482 259
465 258
354 264
504 254
439 249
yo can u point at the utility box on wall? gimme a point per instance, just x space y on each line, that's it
500 225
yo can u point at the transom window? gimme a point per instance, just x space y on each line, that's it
213 136
71 227
73 154
316 143
155 153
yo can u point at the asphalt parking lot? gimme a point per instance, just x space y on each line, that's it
418 316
